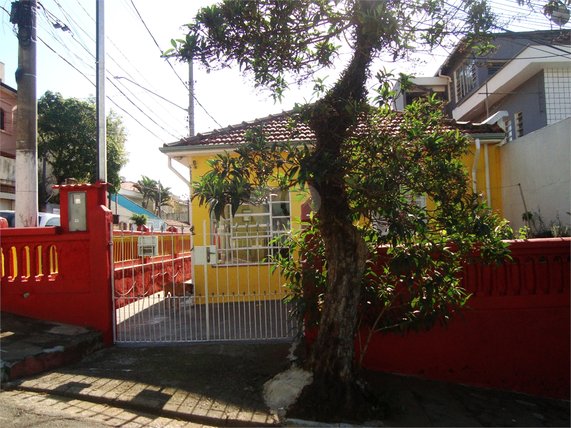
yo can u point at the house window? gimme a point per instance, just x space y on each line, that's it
2 120
465 79
518 119
508 128
251 235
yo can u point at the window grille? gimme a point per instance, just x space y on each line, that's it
518 118
252 234
508 127
465 79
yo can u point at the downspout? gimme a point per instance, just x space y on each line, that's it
475 165
448 91
488 189
187 182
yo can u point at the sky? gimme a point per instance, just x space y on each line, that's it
150 92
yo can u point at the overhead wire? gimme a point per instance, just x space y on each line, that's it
89 65
187 86
91 81
118 65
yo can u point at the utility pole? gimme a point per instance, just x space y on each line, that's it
190 99
23 14
100 93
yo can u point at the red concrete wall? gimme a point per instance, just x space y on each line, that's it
79 292
516 336
134 280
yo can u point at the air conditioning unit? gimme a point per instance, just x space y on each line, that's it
148 246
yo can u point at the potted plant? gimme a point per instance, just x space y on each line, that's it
140 221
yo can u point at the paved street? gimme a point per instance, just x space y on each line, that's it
20 409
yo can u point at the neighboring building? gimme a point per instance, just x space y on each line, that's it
244 239
129 202
525 87
8 101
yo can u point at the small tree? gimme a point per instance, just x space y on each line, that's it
148 188
162 198
67 140
279 40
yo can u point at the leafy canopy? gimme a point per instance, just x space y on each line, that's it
67 140
153 190
275 39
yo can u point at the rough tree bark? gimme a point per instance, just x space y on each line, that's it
334 394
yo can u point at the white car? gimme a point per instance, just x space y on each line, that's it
48 219
44 219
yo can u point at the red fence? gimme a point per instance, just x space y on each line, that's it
515 337
138 276
53 274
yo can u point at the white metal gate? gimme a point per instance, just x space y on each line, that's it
175 286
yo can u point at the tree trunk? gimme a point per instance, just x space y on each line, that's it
334 394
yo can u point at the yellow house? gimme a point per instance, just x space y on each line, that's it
230 254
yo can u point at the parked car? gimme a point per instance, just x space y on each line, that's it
10 216
48 219
44 219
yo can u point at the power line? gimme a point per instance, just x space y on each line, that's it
171 66
90 66
148 90
91 54
90 81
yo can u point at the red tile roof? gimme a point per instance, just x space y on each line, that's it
278 128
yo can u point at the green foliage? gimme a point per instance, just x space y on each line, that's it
278 40
154 191
412 276
67 140
147 187
139 219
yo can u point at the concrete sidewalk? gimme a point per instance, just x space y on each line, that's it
29 346
221 384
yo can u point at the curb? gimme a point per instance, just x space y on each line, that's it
50 359
148 407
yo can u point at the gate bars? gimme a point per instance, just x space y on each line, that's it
167 289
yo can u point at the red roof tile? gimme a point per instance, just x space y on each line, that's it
278 128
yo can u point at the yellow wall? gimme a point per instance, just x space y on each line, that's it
494 200
249 282
244 280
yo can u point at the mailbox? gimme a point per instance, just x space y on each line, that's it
205 255
77 211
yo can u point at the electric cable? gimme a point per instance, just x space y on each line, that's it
91 67
171 66
90 81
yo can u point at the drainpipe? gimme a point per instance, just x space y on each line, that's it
488 189
187 182
475 165
448 90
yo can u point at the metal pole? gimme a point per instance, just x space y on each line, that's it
159 200
27 112
100 93
190 99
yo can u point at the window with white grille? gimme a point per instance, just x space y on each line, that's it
518 119
252 234
465 79
508 128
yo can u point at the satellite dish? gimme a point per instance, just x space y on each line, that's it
559 14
